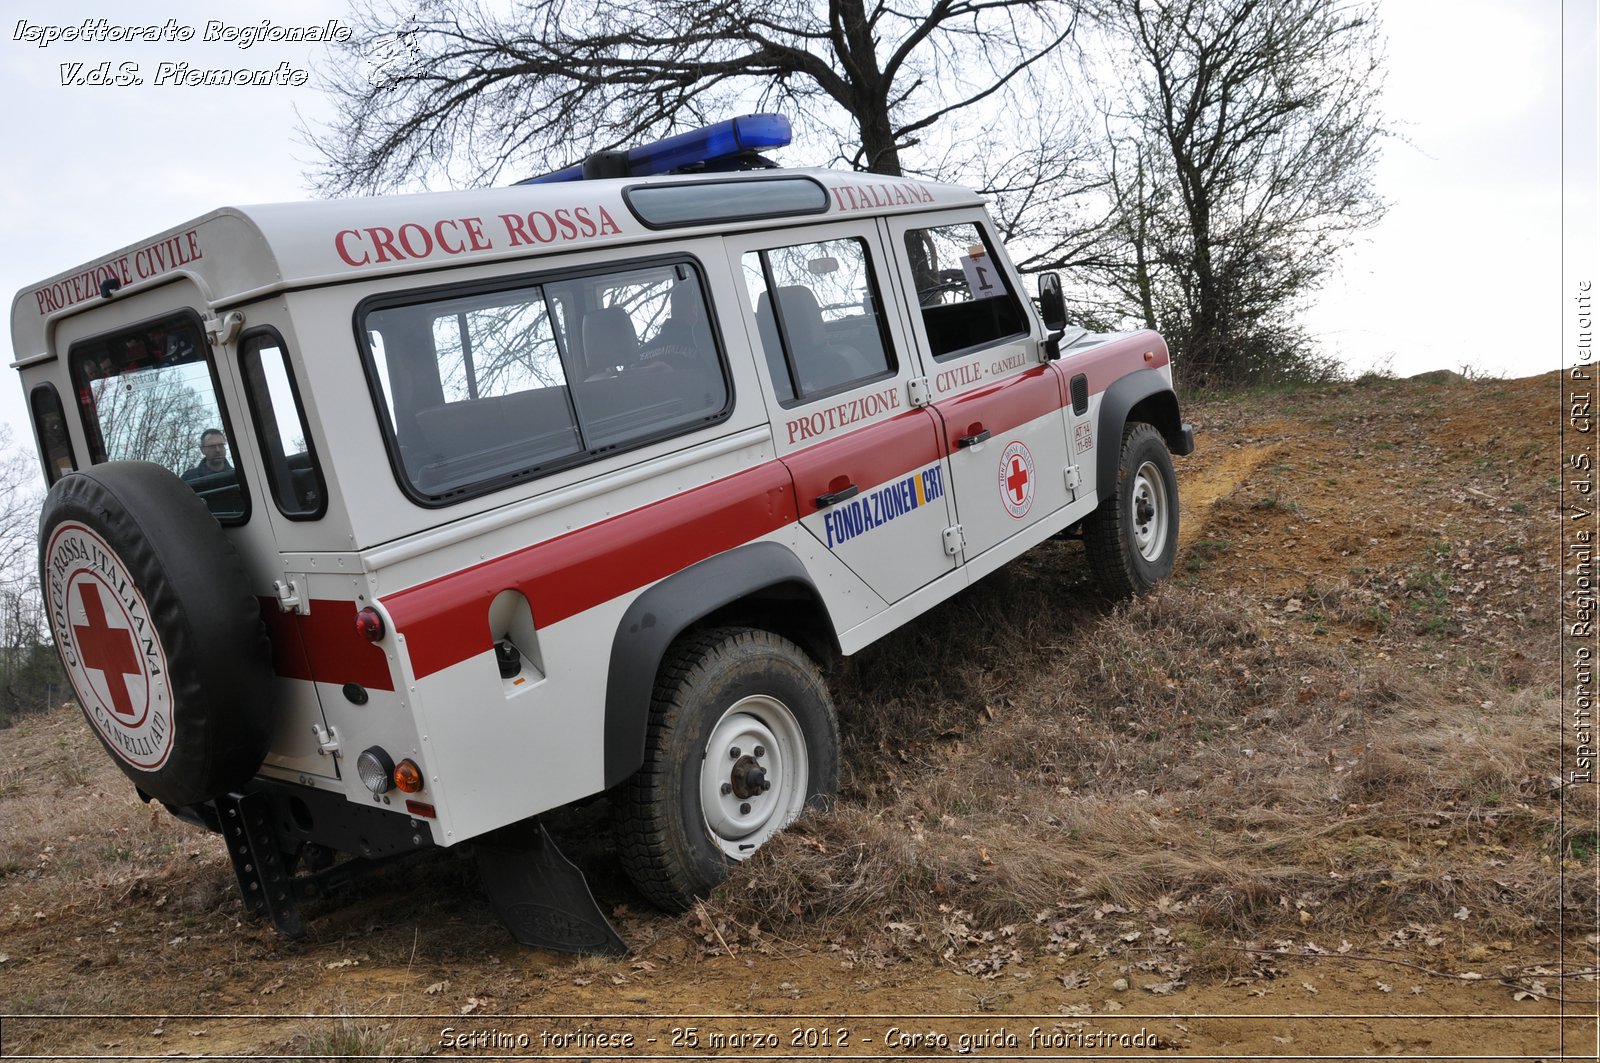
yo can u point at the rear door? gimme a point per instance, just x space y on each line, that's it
868 466
156 390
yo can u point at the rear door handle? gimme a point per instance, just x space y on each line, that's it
835 497
973 440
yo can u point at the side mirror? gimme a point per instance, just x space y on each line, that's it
1052 304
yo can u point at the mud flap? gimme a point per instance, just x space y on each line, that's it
540 895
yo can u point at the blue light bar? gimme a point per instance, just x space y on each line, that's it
714 144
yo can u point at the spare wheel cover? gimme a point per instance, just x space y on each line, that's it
157 629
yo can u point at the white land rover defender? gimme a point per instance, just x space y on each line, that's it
510 498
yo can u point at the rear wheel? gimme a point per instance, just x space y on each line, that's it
1133 537
742 739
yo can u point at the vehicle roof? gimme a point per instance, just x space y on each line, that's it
236 254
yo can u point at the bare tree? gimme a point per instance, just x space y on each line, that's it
20 497
1243 144
447 89
30 674
154 415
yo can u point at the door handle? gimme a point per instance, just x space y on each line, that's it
974 439
834 497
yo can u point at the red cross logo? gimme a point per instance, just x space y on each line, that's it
108 650
1018 480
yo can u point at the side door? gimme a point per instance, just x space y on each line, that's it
868 466
999 407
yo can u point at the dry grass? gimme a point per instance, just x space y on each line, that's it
1183 757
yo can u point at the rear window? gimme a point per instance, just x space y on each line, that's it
481 388
149 393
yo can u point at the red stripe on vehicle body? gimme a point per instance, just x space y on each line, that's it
322 645
868 457
1009 404
446 620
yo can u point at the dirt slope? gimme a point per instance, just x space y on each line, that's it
1335 829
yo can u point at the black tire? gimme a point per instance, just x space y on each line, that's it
1132 538
732 708
181 700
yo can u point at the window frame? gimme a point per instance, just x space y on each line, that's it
412 297
869 268
253 400
921 323
95 442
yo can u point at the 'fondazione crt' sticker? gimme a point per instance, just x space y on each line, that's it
113 656
883 505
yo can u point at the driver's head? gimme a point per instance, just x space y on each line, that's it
214 447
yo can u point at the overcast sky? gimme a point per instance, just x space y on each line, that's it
1465 272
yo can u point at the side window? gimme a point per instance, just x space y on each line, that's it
966 300
149 394
50 427
817 313
293 472
486 387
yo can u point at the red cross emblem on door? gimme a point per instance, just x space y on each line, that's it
1016 479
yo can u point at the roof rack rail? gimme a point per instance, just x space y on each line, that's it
729 145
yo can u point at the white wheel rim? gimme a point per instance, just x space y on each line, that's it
758 740
1150 511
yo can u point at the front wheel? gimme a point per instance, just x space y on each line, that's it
742 739
1132 537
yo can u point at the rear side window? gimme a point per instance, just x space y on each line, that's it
965 299
817 314
50 427
293 473
485 387
149 393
